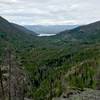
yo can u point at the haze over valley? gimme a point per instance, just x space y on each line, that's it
49 30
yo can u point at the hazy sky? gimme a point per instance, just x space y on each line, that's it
50 11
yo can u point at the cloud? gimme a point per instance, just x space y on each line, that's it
50 11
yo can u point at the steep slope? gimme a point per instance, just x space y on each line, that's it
90 32
68 68
25 30
15 34
7 27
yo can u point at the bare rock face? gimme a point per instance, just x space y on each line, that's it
85 95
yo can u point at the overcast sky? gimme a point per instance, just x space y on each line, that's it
50 11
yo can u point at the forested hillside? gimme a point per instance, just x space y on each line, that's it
45 68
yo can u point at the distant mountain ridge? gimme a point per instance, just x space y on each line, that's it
15 34
49 29
82 33
8 27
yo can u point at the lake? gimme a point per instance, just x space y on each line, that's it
46 34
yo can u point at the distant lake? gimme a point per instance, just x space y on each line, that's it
46 34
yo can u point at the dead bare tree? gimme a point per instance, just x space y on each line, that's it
15 80
10 65
1 83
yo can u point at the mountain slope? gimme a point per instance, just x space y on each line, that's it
7 27
54 66
15 34
73 66
90 32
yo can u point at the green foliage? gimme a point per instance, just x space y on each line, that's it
84 76
54 63
46 64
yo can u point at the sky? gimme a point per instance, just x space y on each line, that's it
50 12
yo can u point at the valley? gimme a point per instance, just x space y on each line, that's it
65 66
